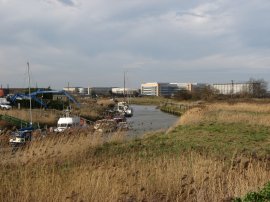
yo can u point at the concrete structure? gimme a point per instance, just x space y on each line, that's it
100 91
82 90
71 89
168 89
126 91
191 87
234 88
153 89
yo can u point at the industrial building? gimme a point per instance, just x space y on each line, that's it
125 91
71 89
76 90
100 91
234 88
168 89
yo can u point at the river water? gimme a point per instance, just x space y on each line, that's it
149 118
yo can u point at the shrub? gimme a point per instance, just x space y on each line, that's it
260 196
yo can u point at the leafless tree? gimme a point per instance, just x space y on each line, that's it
258 88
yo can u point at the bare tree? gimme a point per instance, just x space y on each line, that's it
208 93
258 88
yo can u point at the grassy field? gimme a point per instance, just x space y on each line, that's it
90 109
43 117
147 100
215 153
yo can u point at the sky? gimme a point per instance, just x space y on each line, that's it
94 42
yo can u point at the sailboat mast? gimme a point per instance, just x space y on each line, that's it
29 92
124 86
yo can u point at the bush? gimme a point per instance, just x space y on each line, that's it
261 196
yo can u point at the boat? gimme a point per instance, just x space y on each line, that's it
23 135
124 108
67 121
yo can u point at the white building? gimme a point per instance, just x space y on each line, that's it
155 89
168 89
71 89
126 91
234 88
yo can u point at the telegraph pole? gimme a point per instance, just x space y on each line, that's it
29 91
232 90
124 86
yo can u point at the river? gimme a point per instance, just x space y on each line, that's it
149 118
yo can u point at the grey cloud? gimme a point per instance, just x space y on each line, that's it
181 13
67 2
155 40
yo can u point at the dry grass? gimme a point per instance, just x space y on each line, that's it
105 102
250 107
60 169
90 110
44 117
86 166
66 145
148 100
93 109
193 116
248 113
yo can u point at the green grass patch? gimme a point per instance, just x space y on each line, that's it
214 139
172 110
148 100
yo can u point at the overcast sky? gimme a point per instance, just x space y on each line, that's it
93 42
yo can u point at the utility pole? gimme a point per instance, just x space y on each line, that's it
29 91
232 90
68 99
124 86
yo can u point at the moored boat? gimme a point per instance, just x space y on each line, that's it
125 109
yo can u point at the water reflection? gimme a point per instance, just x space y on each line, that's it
148 118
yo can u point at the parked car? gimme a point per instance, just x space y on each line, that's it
5 106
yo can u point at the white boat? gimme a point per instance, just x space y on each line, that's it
23 135
67 121
125 109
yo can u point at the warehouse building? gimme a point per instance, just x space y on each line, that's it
99 91
235 88
168 89
125 91
71 89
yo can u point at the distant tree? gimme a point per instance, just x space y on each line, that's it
208 93
258 88
183 95
196 94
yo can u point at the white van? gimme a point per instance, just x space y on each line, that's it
66 122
